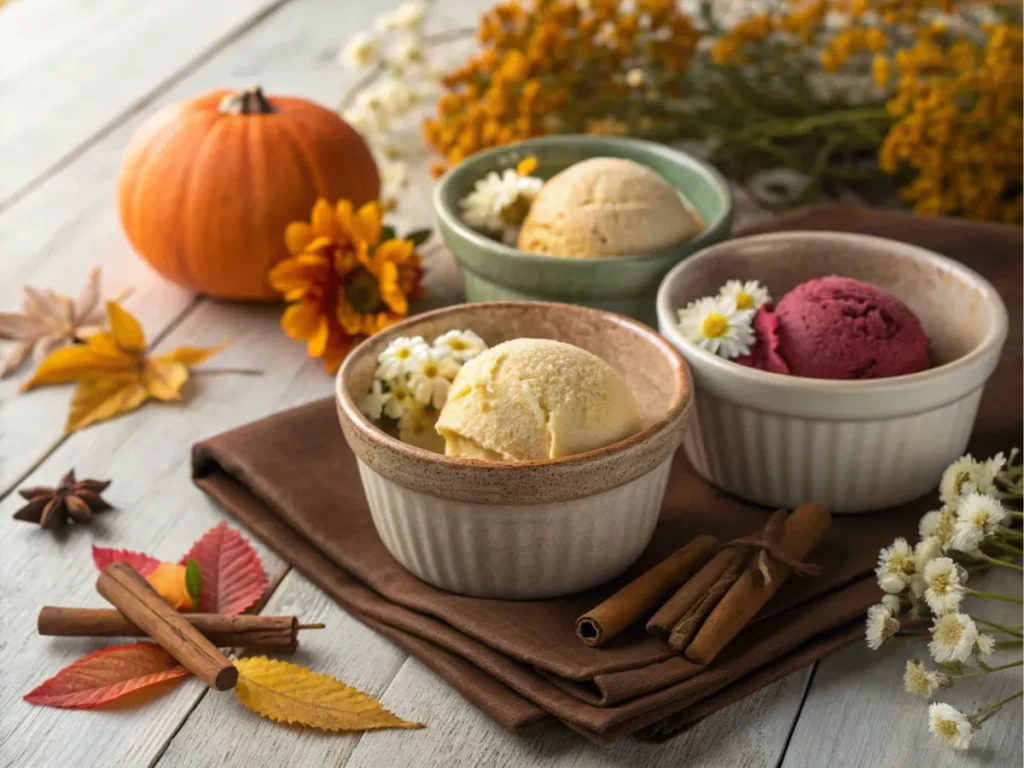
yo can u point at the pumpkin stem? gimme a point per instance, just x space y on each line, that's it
251 101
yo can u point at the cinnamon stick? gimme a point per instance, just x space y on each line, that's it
802 530
638 597
264 633
122 586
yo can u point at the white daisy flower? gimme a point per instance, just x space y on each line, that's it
939 524
430 376
397 356
461 346
985 644
895 567
361 50
408 15
922 682
715 324
400 402
892 602
500 202
373 404
953 638
951 725
945 591
880 626
977 517
747 295
966 476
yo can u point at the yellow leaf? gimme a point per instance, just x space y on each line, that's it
163 379
169 581
125 329
103 397
76 361
189 355
292 694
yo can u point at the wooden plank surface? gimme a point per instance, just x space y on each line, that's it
69 69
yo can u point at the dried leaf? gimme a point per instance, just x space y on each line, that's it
113 373
233 576
143 563
107 675
292 694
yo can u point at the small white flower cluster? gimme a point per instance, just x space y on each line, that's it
499 202
724 324
387 113
927 580
411 383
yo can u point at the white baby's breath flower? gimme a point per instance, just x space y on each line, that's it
923 682
430 376
408 16
396 359
953 638
408 51
747 295
945 591
396 98
950 725
715 324
925 551
966 476
461 346
393 175
892 602
373 404
977 517
895 567
500 201
985 645
635 78
880 626
400 402
361 50
939 524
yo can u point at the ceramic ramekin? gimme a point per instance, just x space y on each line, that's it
852 445
625 284
532 529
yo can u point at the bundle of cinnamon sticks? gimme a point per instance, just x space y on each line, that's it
713 590
193 639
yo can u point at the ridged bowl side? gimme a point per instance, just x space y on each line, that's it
512 551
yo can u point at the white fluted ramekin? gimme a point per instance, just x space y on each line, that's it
853 445
531 529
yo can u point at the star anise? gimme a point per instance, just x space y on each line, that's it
51 507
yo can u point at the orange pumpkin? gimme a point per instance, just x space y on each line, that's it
208 185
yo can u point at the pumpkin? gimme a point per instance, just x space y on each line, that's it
208 185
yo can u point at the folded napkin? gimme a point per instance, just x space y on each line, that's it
293 481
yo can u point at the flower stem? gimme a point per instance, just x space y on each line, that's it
988 670
997 561
995 596
992 625
1005 546
1010 644
991 709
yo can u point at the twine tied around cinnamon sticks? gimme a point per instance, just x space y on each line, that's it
718 589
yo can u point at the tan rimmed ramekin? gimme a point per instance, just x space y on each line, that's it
852 445
532 529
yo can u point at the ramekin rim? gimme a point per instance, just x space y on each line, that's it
993 338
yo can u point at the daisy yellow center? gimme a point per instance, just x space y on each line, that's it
430 370
403 354
947 729
949 632
362 292
941 583
457 345
901 563
515 212
715 325
744 300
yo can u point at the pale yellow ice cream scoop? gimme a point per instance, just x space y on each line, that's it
607 206
536 399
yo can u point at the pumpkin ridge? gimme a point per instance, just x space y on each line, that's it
192 181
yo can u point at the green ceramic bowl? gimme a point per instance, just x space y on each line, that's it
626 284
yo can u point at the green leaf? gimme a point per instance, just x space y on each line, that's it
419 236
193 581
387 232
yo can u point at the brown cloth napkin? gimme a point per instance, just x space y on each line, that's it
293 481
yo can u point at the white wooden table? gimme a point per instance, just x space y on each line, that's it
78 76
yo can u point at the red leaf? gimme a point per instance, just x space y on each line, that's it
233 577
141 562
107 675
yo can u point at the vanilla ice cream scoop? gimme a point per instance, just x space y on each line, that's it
607 206
535 399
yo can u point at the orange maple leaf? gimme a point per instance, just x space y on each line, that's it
114 374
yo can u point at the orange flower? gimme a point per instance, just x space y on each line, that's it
343 281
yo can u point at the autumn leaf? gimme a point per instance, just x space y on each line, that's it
107 675
292 694
143 563
232 574
193 581
113 373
